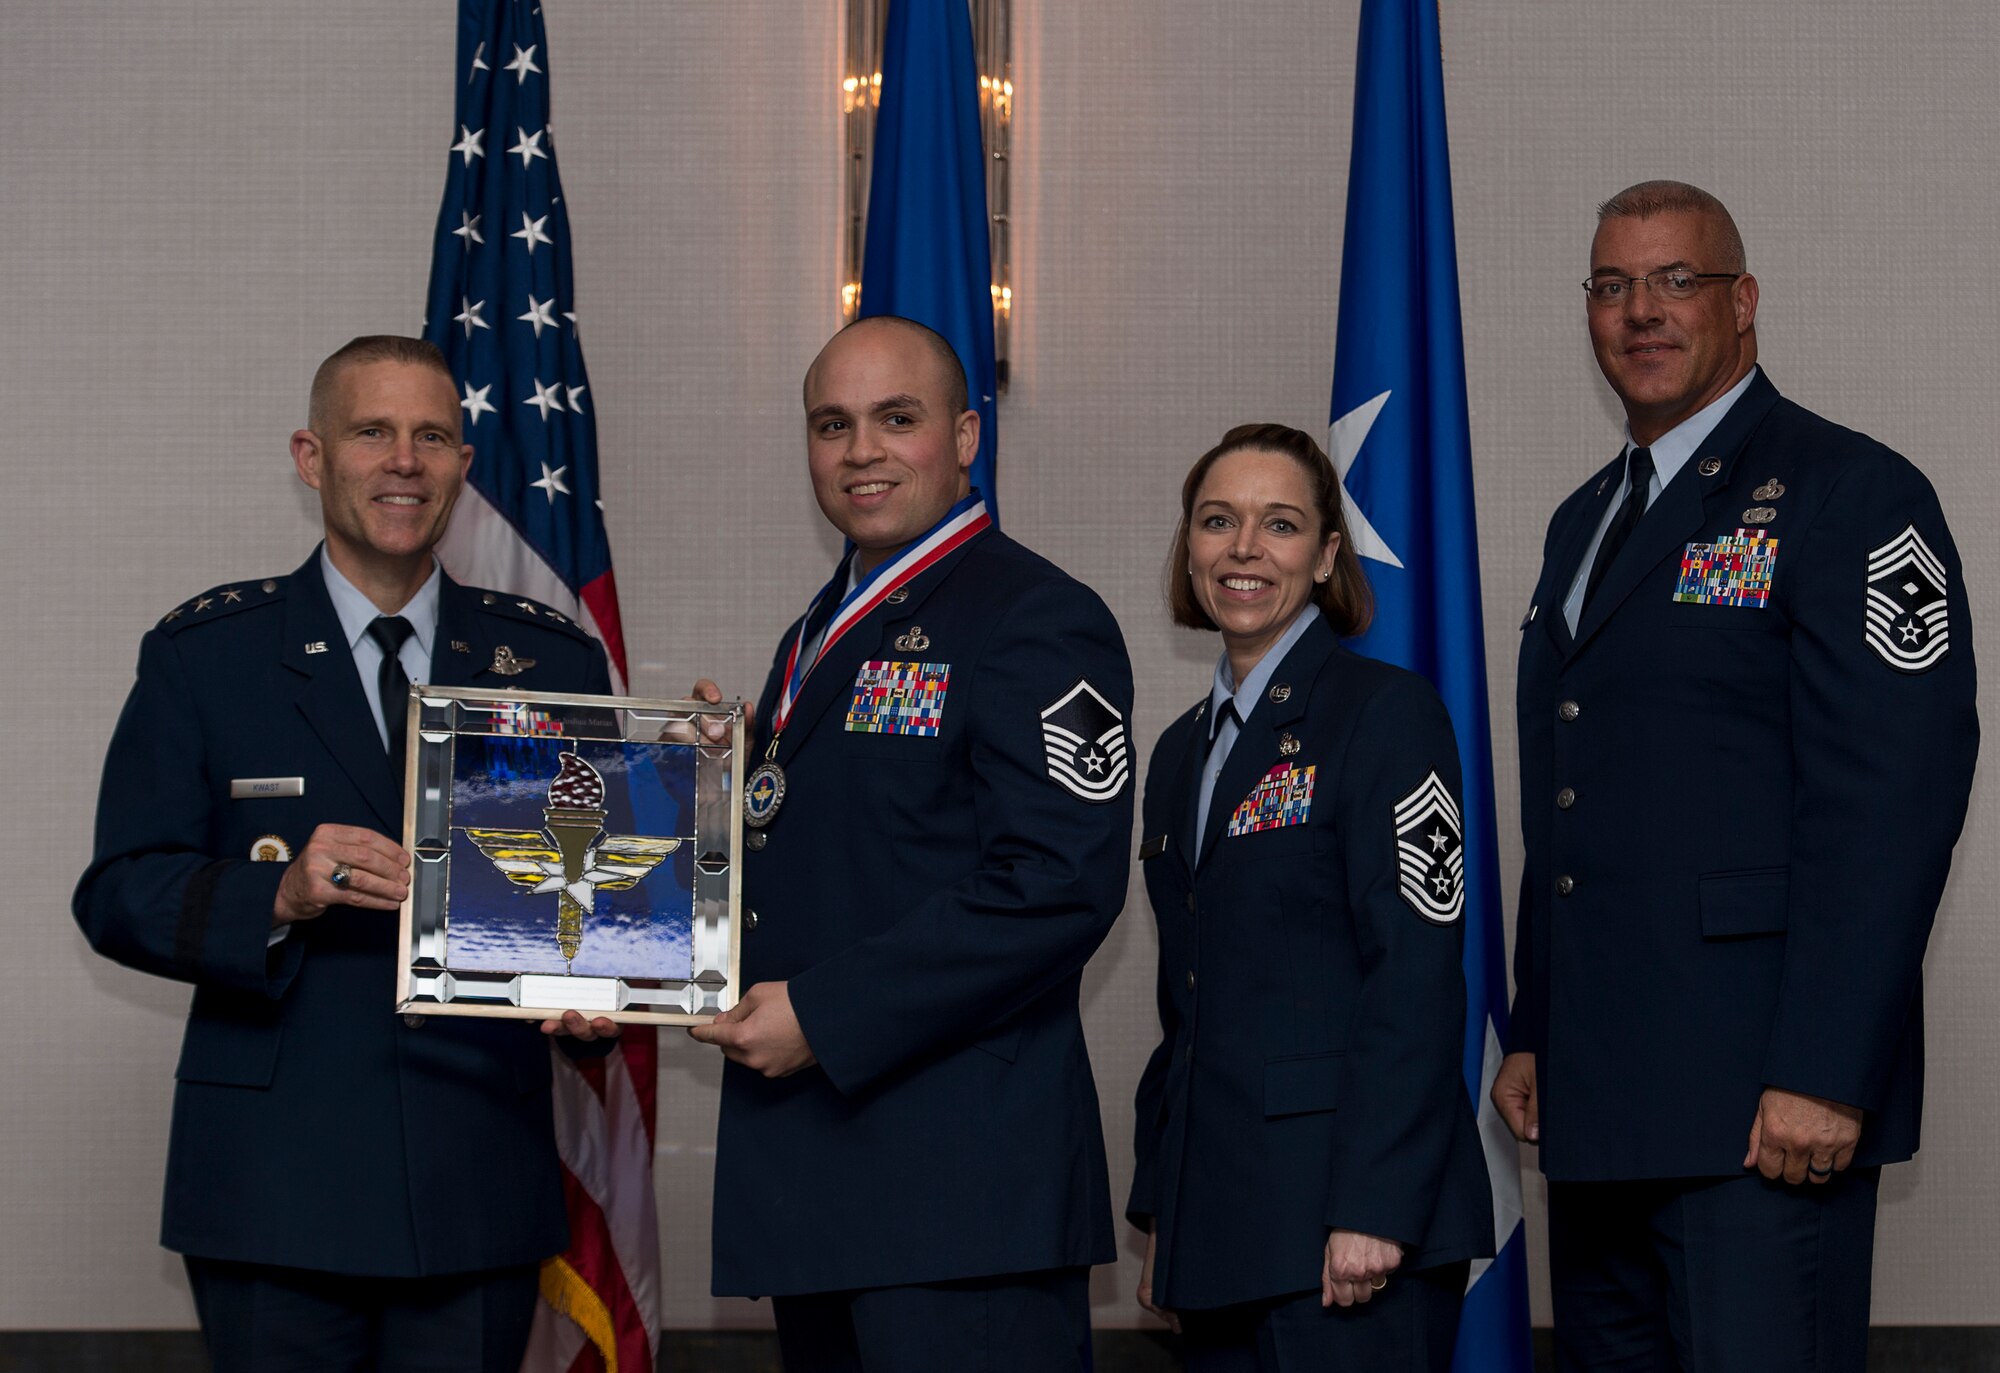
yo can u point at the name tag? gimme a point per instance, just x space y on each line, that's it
253 788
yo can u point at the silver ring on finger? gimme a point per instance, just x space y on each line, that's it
1378 1284
341 872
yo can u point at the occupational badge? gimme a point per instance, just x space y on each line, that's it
899 698
1906 604
1083 736
506 664
269 848
1430 852
1734 569
1283 796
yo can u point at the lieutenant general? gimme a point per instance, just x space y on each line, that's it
910 1158
1747 736
349 1190
1309 1171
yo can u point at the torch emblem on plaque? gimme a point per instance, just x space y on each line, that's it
568 857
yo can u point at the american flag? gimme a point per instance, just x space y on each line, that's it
503 308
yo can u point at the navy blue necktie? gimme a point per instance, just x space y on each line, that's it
1639 474
392 684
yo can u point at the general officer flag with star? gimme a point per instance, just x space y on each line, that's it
503 308
1401 443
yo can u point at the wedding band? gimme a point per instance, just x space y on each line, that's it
1819 1172
1378 1284
341 872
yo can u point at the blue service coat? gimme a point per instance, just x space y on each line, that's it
932 900
1739 817
1311 1000
312 1127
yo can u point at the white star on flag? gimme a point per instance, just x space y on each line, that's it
545 398
470 144
538 313
551 482
479 60
468 229
523 63
1344 442
469 315
527 145
576 397
475 403
531 230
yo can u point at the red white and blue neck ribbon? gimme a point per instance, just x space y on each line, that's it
960 525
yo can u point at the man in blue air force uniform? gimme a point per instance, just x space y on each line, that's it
350 1189
910 1159
1747 738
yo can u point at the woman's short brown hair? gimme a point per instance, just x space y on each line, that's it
1344 598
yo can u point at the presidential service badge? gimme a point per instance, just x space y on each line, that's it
1906 622
1282 797
1430 852
1083 736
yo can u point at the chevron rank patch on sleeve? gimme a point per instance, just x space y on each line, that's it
1905 610
1430 852
1084 738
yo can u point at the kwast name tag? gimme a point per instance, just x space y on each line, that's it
256 788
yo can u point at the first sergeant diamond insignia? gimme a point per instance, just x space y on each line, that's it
1906 605
1084 737
1430 852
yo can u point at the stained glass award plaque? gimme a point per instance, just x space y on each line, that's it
572 853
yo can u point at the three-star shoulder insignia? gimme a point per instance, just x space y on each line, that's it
220 601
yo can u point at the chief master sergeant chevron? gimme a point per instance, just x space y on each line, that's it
1747 736
350 1190
910 1159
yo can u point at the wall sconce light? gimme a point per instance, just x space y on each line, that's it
861 96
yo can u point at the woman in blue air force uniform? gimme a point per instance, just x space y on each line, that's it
1309 1172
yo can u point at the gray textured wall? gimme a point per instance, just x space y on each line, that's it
203 199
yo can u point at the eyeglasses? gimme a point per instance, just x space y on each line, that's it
1671 283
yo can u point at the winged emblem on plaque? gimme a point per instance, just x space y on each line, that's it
569 857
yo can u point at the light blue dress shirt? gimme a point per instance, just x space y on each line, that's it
1671 452
1223 723
356 612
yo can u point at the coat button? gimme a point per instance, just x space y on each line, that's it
1569 710
1565 798
1187 1054
756 839
750 917
1190 903
1565 885
415 1022
1190 979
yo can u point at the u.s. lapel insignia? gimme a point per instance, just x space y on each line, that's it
916 641
316 646
1281 693
1708 467
1201 710
506 664
1769 491
1732 570
1083 736
270 848
1281 798
1430 852
460 646
1907 604
1288 745
898 596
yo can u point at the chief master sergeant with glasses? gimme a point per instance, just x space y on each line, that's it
1747 736
350 1190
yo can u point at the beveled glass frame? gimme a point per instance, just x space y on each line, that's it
664 736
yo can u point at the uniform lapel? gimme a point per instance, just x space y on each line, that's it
1184 799
834 676
330 695
1681 512
1256 749
459 622
1568 557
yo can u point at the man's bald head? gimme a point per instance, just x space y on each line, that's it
950 374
